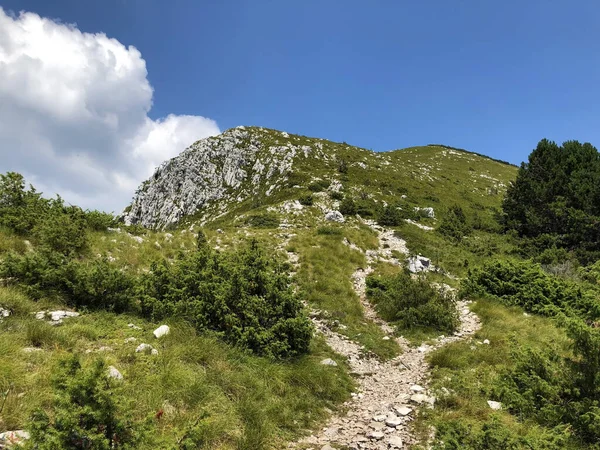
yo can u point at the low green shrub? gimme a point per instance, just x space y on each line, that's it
94 285
306 200
457 435
554 390
329 230
348 206
394 215
262 221
412 303
63 233
591 273
99 221
245 297
318 186
335 195
85 413
525 284
454 224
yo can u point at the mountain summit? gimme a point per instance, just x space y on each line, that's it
247 167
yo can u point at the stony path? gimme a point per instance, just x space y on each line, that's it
380 413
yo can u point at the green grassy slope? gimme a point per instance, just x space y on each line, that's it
252 402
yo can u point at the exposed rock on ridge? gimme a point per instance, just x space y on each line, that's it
231 167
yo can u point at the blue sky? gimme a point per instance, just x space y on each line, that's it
492 77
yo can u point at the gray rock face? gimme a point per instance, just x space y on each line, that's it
211 173
419 264
334 216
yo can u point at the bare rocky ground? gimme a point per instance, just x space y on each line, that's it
380 413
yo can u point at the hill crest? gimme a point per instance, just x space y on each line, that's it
249 167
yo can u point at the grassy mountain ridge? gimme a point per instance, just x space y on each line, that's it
249 167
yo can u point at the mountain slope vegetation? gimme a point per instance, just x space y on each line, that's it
258 248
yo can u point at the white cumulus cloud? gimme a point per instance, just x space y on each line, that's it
74 113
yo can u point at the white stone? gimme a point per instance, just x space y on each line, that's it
328 362
142 348
416 388
154 352
161 331
32 349
55 317
419 264
335 216
403 410
418 398
395 442
393 421
133 326
377 435
129 340
12 438
494 405
113 372
486 341
428 211
137 239
218 171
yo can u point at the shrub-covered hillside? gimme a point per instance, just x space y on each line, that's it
266 288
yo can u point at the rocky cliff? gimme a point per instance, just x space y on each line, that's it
214 173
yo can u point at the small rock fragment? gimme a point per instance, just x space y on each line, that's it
328 362
395 442
113 372
334 216
393 421
144 348
403 410
4 313
377 435
32 349
418 398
